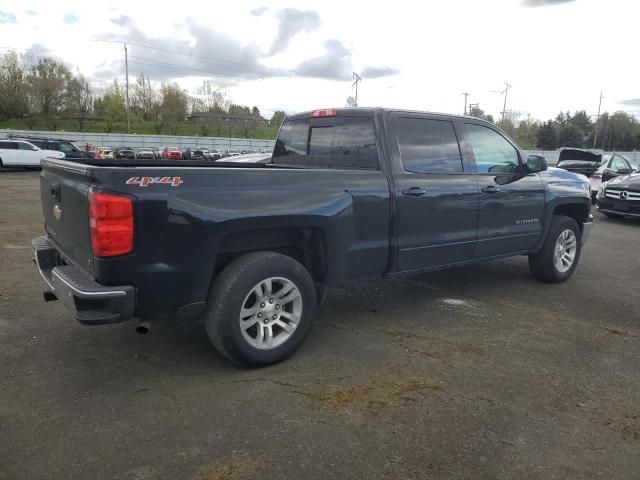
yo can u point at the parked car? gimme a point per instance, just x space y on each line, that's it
232 153
250 158
253 246
126 153
171 153
620 196
146 153
578 160
56 144
216 154
613 166
20 153
197 155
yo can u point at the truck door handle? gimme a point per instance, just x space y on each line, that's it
414 192
490 189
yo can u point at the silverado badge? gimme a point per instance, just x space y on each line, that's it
57 212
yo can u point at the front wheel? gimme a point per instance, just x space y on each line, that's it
260 308
558 258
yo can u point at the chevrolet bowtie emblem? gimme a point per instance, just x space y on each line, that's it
57 212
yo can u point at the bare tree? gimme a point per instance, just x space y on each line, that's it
145 97
174 106
214 99
111 106
80 101
48 81
12 88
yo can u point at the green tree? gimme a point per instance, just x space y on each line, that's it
569 136
582 122
547 136
277 118
476 111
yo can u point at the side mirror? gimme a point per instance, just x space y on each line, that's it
536 163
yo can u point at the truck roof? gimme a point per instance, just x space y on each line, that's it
370 111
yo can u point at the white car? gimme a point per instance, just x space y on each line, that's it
20 153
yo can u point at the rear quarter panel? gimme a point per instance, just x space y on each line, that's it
179 229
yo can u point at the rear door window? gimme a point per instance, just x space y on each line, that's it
8 145
428 146
340 142
25 146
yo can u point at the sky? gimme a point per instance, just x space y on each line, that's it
557 55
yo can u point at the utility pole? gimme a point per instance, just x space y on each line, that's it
595 134
358 79
528 125
465 101
126 74
504 106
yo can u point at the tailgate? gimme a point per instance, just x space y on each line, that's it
64 195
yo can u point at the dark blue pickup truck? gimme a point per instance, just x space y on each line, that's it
348 194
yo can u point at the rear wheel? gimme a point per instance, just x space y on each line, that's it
260 308
558 258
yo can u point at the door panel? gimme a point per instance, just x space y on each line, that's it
439 227
511 203
437 207
510 214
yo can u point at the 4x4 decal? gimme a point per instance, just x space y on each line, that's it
146 181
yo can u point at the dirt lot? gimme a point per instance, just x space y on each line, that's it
479 372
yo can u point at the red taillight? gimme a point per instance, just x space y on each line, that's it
110 223
327 112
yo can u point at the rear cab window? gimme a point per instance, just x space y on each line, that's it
327 142
8 146
428 145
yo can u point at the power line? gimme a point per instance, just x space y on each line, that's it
157 63
221 60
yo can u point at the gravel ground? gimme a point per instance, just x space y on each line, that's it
479 372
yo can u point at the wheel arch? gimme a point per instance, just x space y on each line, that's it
305 244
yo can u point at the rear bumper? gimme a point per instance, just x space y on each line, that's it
92 303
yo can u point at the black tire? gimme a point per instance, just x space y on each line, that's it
542 264
228 294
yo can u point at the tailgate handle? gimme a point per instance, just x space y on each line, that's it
55 191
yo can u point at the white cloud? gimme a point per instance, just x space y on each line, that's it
557 58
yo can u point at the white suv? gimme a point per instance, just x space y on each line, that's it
20 153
